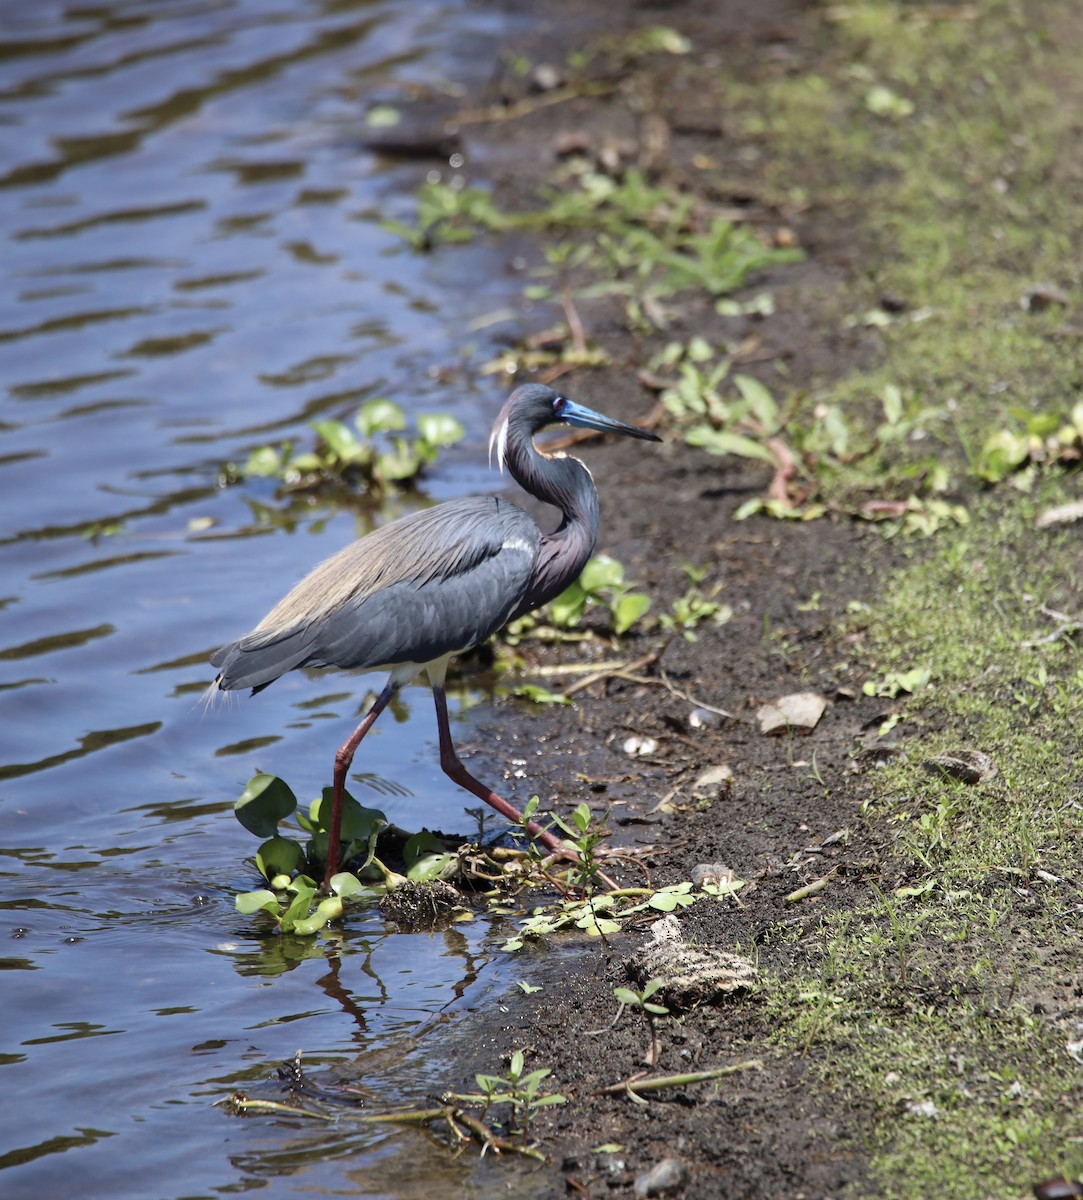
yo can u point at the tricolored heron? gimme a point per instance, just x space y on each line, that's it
408 596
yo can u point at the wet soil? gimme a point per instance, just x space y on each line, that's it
790 814
766 1131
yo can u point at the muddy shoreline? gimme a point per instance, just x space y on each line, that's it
790 814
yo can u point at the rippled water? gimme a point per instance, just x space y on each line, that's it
193 265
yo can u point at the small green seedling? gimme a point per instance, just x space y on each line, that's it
894 683
641 1001
519 1089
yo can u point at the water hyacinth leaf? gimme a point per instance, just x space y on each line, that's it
628 610
426 858
298 908
402 462
567 608
266 800
265 461
346 885
258 901
329 909
279 856
339 440
379 415
358 823
440 429
601 571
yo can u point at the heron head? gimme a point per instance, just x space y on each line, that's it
533 406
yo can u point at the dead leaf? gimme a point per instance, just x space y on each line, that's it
798 711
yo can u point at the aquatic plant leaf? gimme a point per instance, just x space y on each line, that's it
628 610
379 415
358 822
279 856
602 571
265 801
440 429
258 901
567 609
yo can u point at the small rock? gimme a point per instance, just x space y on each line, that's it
639 747
711 873
1063 514
713 782
703 718
546 78
572 141
665 1176
969 766
922 1108
798 711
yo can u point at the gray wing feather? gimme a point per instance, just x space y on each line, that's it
430 584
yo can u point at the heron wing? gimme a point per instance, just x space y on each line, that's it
427 585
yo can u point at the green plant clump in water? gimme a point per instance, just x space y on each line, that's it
292 897
377 456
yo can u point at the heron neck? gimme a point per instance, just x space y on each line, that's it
566 484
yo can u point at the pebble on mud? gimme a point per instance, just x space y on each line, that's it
713 782
798 711
691 975
665 1176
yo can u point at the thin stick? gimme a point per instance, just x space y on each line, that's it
676 691
810 889
660 1082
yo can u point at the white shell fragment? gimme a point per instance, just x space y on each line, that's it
639 747
798 711
690 974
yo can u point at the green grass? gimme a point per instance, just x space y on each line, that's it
943 1005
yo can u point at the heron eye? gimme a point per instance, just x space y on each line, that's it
560 403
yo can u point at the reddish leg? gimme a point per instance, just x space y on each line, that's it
343 762
455 771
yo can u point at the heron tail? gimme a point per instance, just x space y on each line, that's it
257 660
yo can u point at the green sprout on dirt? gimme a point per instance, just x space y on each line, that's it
1038 439
374 453
818 453
519 1089
695 605
602 913
649 242
641 1002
